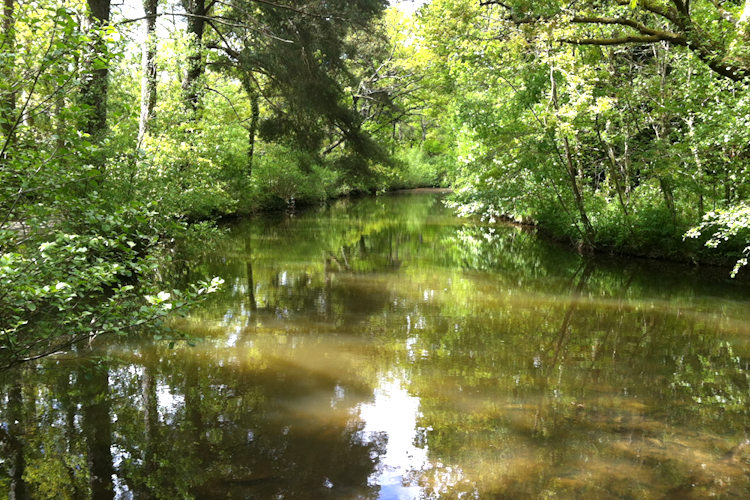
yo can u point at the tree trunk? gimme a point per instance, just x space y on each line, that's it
727 187
196 23
148 82
252 130
588 230
666 190
95 85
661 127
626 169
699 166
613 170
8 104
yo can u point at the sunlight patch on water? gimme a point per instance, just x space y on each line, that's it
394 412
168 402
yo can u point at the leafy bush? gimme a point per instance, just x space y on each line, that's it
729 227
283 176
95 274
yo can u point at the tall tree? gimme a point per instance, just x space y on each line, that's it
148 81
95 74
572 171
302 50
252 130
7 50
196 12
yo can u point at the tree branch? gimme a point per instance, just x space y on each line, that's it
689 35
640 27
723 13
613 41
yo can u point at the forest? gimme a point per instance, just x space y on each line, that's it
136 136
619 126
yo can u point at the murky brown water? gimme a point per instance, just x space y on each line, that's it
382 348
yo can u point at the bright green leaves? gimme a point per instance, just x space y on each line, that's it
76 285
726 226
649 135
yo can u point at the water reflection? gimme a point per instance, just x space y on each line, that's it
393 415
383 349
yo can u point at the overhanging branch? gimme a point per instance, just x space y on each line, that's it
640 27
623 40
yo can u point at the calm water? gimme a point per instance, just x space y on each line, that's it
382 348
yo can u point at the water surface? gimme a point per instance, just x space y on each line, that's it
383 348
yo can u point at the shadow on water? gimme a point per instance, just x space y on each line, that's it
381 348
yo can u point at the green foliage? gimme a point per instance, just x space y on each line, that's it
731 225
617 146
415 167
96 274
79 256
283 176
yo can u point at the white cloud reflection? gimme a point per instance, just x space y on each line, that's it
394 412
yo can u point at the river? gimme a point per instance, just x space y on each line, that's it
383 348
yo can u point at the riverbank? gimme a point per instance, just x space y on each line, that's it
666 242
306 203
670 246
674 247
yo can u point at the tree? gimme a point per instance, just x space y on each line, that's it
70 258
300 50
7 45
715 32
197 13
253 93
95 83
148 80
